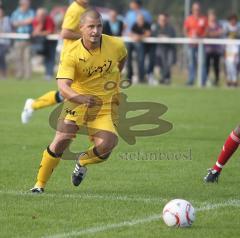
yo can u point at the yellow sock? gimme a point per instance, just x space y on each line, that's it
89 158
45 100
48 164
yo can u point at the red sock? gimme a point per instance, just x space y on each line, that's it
228 149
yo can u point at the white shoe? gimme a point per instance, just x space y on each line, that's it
27 111
151 80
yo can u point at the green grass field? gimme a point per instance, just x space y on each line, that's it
121 198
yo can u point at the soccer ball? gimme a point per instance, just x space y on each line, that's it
178 213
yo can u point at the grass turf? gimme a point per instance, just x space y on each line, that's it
121 190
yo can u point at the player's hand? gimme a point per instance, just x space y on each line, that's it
87 100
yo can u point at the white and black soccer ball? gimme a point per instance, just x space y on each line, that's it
178 213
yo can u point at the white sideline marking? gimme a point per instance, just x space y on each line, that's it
90 196
96 229
208 206
107 227
92 230
115 197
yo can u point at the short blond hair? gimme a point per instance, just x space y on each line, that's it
91 13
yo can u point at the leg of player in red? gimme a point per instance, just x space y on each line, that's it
228 149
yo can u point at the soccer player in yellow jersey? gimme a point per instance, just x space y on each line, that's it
70 33
91 63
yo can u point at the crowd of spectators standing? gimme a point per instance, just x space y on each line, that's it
36 23
137 24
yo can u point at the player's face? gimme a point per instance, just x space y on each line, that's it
92 30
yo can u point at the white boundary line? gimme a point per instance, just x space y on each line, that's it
96 229
112 197
133 222
228 203
92 230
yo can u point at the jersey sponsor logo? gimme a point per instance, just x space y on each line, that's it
98 69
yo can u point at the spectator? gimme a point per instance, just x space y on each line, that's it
114 26
165 52
5 26
213 52
135 8
43 25
232 31
22 19
140 30
195 26
131 16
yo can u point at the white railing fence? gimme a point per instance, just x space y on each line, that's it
153 40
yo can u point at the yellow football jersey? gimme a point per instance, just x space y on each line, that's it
94 72
72 20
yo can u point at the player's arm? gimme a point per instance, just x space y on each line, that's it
70 34
122 63
69 26
65 77
68 93
122 53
